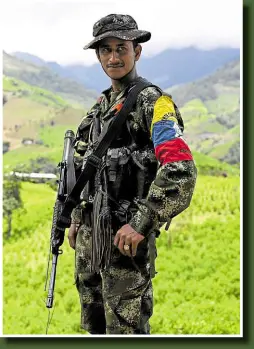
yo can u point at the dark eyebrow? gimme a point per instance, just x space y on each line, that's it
106 45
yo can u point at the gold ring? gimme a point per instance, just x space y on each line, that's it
126 247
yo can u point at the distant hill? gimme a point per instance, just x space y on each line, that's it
41 76
225 79
170 67
211 111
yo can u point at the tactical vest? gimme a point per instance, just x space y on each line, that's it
123 178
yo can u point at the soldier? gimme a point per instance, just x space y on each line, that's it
145 179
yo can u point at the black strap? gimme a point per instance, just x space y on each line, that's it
94 160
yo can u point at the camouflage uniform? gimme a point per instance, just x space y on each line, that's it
117 299
146 177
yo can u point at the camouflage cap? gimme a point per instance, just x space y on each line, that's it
118 26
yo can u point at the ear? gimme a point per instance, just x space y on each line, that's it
138 51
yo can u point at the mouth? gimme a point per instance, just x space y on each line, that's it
115 67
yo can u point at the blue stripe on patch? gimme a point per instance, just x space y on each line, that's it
163 131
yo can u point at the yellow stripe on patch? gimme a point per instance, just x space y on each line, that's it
163 106
172 118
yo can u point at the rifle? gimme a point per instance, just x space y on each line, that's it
65 184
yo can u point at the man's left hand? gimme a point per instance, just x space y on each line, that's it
127 236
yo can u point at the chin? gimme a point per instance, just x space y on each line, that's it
116 76
115 73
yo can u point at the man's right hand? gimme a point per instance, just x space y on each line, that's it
72 234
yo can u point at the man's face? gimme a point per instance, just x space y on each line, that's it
117 57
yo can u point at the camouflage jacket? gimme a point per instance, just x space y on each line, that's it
155 124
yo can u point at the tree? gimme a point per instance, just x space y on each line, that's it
11 200
4 99
6 146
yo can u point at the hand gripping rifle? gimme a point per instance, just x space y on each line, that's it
65 184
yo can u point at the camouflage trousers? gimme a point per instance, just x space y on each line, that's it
118 300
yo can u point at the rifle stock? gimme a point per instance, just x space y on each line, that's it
65 184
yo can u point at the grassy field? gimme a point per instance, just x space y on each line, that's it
196 290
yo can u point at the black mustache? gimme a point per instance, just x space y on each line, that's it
115 66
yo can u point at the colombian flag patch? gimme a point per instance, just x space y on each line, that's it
166 133
174 150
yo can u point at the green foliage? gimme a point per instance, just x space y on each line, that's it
11 201
6 147
37 202
196 290
5 100
230 120
24 155
40 165
233 154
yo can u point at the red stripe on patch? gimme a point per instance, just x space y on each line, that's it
173 150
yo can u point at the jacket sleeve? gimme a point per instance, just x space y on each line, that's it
171 191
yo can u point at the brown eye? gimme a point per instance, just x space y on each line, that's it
104 50
121 49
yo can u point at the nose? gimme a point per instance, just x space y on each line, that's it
114 57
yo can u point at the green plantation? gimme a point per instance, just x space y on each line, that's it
196 290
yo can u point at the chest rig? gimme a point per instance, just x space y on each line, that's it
127 168
123 173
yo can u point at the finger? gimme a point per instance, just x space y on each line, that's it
128 241
134 246
121 244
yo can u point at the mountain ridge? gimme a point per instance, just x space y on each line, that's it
168 68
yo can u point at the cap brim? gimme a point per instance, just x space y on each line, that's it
135 34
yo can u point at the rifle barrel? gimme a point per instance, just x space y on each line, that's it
51 288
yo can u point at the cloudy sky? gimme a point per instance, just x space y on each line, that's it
57 30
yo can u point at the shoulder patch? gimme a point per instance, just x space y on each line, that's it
163 110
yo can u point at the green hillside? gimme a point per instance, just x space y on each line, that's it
226 80
210 109
39 114
196 290
39 76
19 89
30 109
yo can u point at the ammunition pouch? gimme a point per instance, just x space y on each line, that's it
129 174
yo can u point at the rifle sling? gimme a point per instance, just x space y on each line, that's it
93 161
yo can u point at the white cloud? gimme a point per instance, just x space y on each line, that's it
57 30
